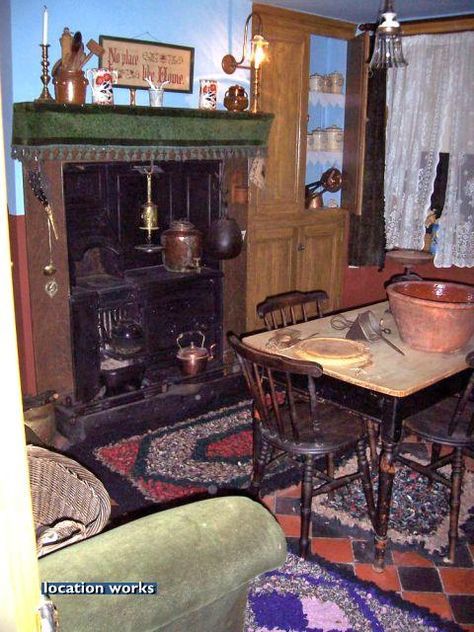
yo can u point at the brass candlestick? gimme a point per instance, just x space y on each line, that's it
45 77
255 101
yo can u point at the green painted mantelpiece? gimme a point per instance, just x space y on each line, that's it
65 132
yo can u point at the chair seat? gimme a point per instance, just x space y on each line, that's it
432 424
337 429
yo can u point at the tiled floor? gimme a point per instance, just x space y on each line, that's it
446 590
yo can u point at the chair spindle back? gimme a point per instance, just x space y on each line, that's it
291 308
269 379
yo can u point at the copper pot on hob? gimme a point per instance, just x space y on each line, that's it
182 244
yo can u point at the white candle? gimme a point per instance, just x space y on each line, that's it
45 26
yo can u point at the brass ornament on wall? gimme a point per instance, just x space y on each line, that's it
35 181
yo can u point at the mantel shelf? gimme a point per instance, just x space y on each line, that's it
75 132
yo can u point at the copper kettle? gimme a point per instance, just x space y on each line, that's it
193 359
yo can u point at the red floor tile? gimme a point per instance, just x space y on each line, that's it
457 581
388 580
409 558
290 492
291 525
269 501
337 550
435 602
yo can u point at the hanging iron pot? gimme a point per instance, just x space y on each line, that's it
224 238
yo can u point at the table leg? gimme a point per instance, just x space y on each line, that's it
390 430
386 476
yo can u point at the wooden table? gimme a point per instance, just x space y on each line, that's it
390 389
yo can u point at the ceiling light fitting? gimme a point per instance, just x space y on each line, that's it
388 51
258 55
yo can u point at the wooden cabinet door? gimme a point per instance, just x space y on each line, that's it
355 123
271 266
320 256
285 94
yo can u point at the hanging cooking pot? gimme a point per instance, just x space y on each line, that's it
224 238
193 359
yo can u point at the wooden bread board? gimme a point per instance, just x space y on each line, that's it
333 352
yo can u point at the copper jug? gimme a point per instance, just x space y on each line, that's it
182 244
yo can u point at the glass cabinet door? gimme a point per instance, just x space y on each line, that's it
326 102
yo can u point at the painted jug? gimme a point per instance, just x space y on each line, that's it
101 81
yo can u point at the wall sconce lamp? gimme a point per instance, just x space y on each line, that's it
258 55
388 51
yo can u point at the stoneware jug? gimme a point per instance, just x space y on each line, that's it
70 86
101 81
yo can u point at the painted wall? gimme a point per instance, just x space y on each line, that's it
212 27
362 286
7 94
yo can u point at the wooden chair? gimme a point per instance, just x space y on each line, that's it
296 307
306 429
291 308
448 423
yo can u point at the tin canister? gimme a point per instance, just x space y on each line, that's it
317 82
335 82
334 138
319 139
208 94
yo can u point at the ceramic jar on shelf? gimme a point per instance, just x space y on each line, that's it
334 138
70 86
319 139
317 82
334 82
236 99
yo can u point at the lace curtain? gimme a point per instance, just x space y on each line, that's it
431 109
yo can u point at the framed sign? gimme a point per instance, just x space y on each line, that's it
134 60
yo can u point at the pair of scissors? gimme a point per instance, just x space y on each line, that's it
384 330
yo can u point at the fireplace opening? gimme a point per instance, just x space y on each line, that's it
127 309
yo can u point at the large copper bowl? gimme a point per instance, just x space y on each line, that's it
433 315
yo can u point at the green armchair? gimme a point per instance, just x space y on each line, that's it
202 555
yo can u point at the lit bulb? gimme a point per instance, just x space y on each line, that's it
258 53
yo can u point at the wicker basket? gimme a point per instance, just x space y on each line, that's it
69 503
